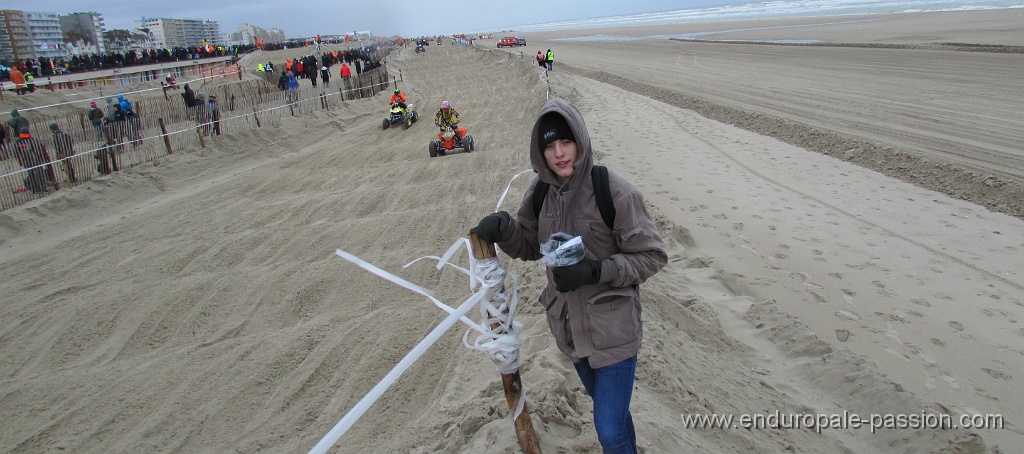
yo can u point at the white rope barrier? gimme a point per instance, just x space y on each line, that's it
497 332
364 404
126 93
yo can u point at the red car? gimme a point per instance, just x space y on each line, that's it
511 41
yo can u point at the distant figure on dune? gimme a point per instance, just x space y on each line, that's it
65 150
96 118
325 74
32 155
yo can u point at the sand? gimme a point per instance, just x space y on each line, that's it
196 304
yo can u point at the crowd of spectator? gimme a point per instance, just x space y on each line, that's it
309 67
43 67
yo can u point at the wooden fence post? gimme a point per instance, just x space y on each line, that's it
512 383
256 116
167 139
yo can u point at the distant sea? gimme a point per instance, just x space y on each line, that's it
772 10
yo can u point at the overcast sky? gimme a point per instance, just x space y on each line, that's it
302 18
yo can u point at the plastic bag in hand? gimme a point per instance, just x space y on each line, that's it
562 249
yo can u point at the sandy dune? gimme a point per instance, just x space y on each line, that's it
196 305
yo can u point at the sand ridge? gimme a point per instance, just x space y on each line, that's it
196 305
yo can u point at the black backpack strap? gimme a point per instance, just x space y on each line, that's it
603 194
539 192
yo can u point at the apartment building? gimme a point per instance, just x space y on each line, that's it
171 33
15 43
45 33
248 33
89 27
27 34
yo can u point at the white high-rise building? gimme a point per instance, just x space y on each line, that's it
171 33
44 31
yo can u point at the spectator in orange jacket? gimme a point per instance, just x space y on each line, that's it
18 79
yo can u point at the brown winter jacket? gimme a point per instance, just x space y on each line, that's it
599 321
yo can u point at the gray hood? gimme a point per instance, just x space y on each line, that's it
584 155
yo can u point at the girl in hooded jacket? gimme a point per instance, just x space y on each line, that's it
593 306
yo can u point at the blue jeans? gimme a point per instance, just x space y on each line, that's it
611 387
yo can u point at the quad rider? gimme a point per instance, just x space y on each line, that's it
448 118
399 99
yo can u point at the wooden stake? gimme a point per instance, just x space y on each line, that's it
511 382
167 139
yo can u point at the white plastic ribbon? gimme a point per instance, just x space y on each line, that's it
498 332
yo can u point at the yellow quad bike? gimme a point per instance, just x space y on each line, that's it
398 114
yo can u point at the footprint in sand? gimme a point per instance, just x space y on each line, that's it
937 342
921 302
998 374
847 315
957 326
952 382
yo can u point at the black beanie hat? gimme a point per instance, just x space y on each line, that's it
553 127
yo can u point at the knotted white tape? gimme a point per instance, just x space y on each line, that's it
498 333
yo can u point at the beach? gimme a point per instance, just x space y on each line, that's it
843 224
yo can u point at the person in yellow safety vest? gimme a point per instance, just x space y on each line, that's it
260 68
549 59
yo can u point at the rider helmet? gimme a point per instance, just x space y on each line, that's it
446 105
397 91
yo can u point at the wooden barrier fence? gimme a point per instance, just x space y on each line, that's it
163 125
